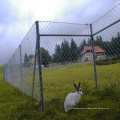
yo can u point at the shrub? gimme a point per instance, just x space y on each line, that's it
108 61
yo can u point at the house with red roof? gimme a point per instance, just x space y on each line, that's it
87 53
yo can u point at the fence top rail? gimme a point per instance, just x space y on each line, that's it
55 35
107 27
107 20
54 22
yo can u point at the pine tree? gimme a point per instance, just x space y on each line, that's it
118 35
65 51
57 54
81 47
26 58
73 50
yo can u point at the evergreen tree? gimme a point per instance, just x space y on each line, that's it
26 58
65 51
81 47
57 49
98 42
118 35
57 54
73 50
115 44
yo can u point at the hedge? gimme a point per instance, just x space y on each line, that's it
108 61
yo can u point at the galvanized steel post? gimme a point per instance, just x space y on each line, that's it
5 73
14 70
39 64
34 68
10 77
21 67
94 58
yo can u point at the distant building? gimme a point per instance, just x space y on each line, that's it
87 53
32 60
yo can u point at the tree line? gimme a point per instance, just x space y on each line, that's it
70 51
112 47
67 52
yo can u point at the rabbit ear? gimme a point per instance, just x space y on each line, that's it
79 85
76 87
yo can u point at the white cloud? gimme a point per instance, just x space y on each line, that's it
1 29
39 9
17 16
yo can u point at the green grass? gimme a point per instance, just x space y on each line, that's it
1 72
14 105
58 82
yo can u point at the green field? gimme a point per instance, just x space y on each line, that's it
58 80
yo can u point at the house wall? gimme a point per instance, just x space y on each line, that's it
89 56
100 56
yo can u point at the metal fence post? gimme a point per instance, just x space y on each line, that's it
21 69
6 69
5 73
14 70
39 64
10 73
94 59
34 69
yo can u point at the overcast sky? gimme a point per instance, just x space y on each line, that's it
17 17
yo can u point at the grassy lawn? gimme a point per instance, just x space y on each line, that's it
14 105
58 80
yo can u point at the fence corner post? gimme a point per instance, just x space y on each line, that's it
39 64
94 59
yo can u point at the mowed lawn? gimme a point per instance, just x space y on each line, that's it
58 80
14 105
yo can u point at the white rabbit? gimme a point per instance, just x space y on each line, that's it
73 99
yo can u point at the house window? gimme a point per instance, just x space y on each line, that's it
102 53
87 51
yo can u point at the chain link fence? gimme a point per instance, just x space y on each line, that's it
20 68
53 56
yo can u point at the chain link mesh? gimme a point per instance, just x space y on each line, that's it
107 36
67 58
19 69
